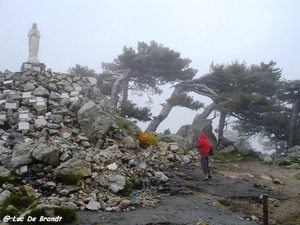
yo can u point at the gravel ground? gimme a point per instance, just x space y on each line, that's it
189 200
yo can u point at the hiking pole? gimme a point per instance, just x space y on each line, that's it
265 209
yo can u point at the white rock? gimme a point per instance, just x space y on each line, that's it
93 205
268 160
161 176
112 166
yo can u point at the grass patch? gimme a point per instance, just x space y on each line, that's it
288 162
297 176
4 211
127 188
68 216
233 156
296 219
4 180
18 201
72 178
219 205
124 124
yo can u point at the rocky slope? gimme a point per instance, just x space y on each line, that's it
55 126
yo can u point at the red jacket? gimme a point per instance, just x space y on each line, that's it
203 144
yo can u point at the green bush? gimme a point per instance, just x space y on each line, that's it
288 162
297 176
72 178
18 201
4 180
4 211
127 188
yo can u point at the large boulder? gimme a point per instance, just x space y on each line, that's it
114 183
22 154
74 166
191 132
94 121
173 138
294 152
46 154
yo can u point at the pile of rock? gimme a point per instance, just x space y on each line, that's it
54 125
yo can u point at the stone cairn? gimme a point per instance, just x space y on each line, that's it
56 124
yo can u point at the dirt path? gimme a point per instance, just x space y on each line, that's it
232 196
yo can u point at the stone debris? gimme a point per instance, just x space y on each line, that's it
55 125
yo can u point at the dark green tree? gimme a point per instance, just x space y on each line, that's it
146 69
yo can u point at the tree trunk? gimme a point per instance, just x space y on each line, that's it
221 125
293 124
116 88
164 112
125 90
207 111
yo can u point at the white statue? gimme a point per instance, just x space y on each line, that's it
33 43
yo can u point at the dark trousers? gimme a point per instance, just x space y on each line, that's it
204 164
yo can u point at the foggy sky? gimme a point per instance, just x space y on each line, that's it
93 31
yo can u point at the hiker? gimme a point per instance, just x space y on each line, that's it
203 145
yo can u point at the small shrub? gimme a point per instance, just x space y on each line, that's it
233 156
18 201
127 188
297 176
123 124
288 162
8 211
146 139
35 213
4 180
72 178
68 215
296 219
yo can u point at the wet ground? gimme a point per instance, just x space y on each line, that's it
189 201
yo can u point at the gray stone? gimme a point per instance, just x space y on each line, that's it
93 205
186 159
227 149
61 110
111 153
28 87
41 91
3 195
52 87
46 154
4 172
54 96
161 176
293 166
294 152
14 137
70 205
94 122
191 132
74 165
22 154
115 183
40 123
268 160
277 181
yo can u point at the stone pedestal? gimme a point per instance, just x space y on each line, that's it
39 67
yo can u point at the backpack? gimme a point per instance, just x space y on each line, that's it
211 151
